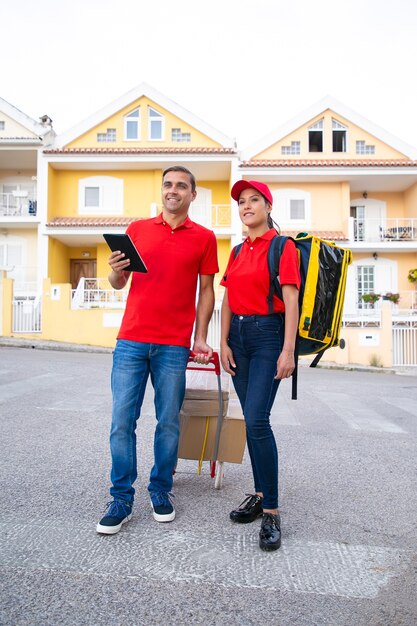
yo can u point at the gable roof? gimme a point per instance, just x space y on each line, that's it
319 107
21 118
131 96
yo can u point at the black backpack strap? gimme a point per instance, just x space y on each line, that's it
275 249
237 249
316 359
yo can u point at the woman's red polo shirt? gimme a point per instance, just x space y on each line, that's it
161 304
247 276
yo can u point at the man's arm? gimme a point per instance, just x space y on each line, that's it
205 306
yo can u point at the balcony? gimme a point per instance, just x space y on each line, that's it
17 204
217 217
373 230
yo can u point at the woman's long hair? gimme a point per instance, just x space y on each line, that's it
272 224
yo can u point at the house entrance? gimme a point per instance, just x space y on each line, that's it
82 268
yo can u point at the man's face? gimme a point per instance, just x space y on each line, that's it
176 192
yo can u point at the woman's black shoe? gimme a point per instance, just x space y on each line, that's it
270 534
248 511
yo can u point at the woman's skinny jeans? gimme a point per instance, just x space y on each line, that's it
256 342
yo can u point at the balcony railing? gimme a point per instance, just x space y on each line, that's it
387 229
15 204
93 293
210 216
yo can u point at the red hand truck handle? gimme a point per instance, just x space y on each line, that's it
214 360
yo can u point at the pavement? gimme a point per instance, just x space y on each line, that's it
348 493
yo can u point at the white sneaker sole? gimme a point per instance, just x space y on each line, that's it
163 518
112 530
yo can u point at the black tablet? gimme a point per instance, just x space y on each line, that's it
123 242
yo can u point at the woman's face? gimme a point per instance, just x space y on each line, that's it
253 208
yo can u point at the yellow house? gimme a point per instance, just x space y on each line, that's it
107 171
334 173
331 172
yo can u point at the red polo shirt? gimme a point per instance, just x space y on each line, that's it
161 304
247 276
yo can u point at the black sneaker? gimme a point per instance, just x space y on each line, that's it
118 513
248 511
163 511
270 533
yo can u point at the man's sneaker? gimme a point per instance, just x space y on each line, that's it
117 514
163 511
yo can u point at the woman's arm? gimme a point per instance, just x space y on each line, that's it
226 354
286 361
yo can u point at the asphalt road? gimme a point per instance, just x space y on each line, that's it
348 484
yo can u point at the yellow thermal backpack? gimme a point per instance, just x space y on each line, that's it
323 269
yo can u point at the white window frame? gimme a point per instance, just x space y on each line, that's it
131 118
107 136
293 148
177 136
110 195
338 126
281 211
317 126
161 118
363 148
2 125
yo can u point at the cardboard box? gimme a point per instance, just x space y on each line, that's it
232 438
204 407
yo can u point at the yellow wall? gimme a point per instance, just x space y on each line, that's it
410 202
58 262
329 204
140 189
382 150
116 121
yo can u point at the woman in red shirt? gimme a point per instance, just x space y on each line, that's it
257 348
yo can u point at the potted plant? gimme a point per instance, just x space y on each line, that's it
370 298
392 297
412 275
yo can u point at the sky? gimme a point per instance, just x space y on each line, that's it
243 66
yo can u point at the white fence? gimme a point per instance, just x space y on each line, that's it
27 314
404 343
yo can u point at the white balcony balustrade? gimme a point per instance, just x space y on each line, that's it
387 229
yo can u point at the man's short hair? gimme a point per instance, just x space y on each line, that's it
180 168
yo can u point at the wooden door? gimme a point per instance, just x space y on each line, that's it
82 268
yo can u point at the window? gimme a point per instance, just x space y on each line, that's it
294 148
292 208
363 148
339 135
155 125
315 137
132 125
365 280
297 209
92 197
109 136
177 135
2 125
100 195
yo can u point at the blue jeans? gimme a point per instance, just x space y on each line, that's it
133 362
256 342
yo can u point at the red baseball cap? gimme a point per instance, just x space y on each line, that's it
251 184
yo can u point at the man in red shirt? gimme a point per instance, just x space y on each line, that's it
154 339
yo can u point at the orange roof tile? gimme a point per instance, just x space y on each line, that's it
90 222
329 235
329 163
153 150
